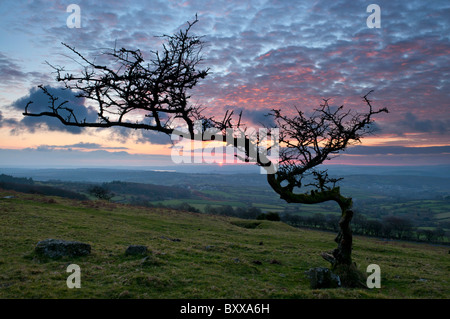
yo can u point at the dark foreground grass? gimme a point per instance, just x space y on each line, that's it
192 255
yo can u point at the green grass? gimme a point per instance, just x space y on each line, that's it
215 257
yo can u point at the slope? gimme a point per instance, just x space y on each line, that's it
192 255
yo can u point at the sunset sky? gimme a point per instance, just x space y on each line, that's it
262 55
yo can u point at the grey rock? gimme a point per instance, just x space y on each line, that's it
57 248
321 277
134 250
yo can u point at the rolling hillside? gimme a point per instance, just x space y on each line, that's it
192 255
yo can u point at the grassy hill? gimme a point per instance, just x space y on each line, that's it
213 256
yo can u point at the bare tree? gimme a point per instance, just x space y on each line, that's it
309 141
154 96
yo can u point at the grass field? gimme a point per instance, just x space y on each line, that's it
215 257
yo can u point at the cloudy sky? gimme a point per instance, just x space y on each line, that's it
262 55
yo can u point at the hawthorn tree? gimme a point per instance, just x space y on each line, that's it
155 96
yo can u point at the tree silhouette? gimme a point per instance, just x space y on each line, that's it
309 141
160 88
100 192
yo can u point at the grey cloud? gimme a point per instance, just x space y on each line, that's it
7 121
12 74
94 146
154 138
411 123
254 117
9 70
414 124
398 150
81 145
123 134
40 104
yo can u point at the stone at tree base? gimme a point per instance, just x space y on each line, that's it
57 248
136 250
321 277
351 276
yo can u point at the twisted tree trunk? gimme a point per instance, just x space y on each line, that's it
343 253
341 257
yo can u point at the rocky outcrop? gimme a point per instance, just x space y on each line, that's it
57 248
134 250
321 277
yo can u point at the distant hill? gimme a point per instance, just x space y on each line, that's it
139 174
421 202
27 185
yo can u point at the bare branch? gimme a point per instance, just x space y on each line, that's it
150 95
309 141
